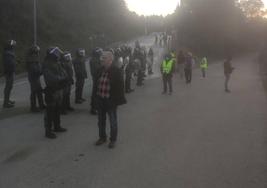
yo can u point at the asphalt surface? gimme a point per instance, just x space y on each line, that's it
199 137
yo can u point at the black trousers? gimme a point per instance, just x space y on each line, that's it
167 80
93 98
140 78
128 78
8 87
52 113
106 107
36 93
66 98
188 75
79 88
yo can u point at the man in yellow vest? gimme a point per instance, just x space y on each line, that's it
167 68
204 66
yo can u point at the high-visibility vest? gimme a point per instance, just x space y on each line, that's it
204 63
167 66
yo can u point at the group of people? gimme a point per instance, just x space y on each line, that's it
112 71
183 63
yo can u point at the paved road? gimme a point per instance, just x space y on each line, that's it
200 137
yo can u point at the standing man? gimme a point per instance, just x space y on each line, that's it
204 66
56 79
94 67
9 61
109 89
189 61
34 72
228 69
81 75
150 61
167 68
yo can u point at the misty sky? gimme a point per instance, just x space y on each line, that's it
156 7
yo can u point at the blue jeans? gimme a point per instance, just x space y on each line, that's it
105 107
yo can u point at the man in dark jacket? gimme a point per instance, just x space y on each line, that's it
94 67
55 79
109 89
9 61
66 62
34 73
80 73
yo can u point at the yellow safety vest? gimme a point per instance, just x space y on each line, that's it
167 66
204 63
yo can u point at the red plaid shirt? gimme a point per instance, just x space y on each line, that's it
103 86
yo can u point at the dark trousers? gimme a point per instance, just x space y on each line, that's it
52 113
106 107
167 80
79 88
203 72
66 98
8 87
140 78
36 93
128 78
93 98
188 75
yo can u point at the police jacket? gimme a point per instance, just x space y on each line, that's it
67 66
54 75
117 96
94 66
79 68
9 61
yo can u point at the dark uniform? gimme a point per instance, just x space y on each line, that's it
34 72
9 61
138 55
66 62
55 79
151 61
94 66
129 71
80 74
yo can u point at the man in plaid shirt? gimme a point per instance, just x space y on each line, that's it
109 89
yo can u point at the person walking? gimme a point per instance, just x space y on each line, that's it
180 63
167 69
228 70
109 89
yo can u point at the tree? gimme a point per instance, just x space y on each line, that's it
252 8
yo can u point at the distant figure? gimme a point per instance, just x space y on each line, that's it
156 39
66 62
228 69
180 63
80 74
9 61
110 94
150 61
167 69
189 61
204 66
34 69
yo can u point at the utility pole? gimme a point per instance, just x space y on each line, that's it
35 22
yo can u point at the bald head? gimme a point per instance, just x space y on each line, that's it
106 59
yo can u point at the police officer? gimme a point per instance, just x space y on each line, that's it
9 61
66 61
80 74
56 80
34 72
167 69
151 61
94 67
138 57
204 66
